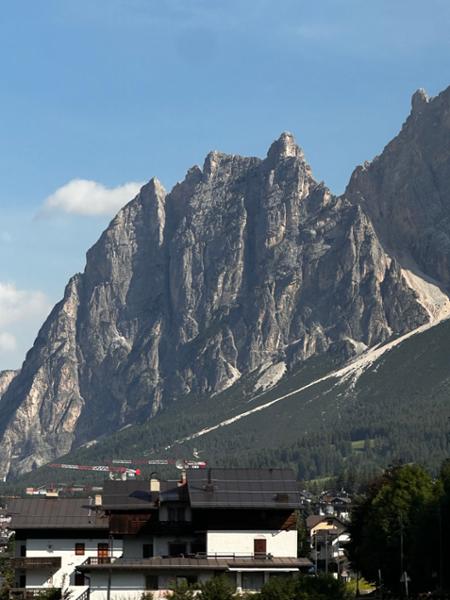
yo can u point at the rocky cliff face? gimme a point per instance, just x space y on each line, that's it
5 379
245 263
406 190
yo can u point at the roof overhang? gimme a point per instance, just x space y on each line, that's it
264 569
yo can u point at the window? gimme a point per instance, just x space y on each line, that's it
103 552
79 578
260 548
23 550
147 550
252 581
79 550
22 581
177 548
151 582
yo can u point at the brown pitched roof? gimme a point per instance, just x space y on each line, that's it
128 495
54 513
243 488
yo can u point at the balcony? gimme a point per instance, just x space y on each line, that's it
36 562
31 593
121 561
99 560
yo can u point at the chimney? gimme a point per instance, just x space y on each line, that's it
98 500
155 485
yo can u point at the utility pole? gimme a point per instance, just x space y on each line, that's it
315 553
441 549
110 560
401 548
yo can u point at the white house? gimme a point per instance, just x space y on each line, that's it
143 536
328 537
53 537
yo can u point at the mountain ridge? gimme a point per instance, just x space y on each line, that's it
246 262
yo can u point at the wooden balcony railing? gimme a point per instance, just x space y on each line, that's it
100 560
84 595
36 562
31 593
108 560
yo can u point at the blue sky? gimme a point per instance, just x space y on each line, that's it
113 92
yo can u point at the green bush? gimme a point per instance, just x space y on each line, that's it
50 594
217 588
279 588
303 588
181 591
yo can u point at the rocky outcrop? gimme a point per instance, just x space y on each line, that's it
5 379
406 190
246 262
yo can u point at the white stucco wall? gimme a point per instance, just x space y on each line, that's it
64 548
131 586
124 586
278 543
132 546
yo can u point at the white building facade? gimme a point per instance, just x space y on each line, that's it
145 538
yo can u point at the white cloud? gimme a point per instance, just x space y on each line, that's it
89 198
8 342
22 312
5 237
20 305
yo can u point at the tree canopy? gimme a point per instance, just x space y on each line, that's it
397 527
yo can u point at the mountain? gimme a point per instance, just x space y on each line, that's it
406 190
247 273
387 405
5 379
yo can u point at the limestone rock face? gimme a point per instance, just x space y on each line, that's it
5 379
245 262
406 190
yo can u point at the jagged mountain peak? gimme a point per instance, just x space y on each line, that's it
156 186
5 379
406 189
285 147
247 262
419 99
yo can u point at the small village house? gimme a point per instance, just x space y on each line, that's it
145 536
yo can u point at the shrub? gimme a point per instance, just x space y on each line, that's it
217 588
182 591
303 588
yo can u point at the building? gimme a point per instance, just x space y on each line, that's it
53 536
328 536
141 536
337 505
